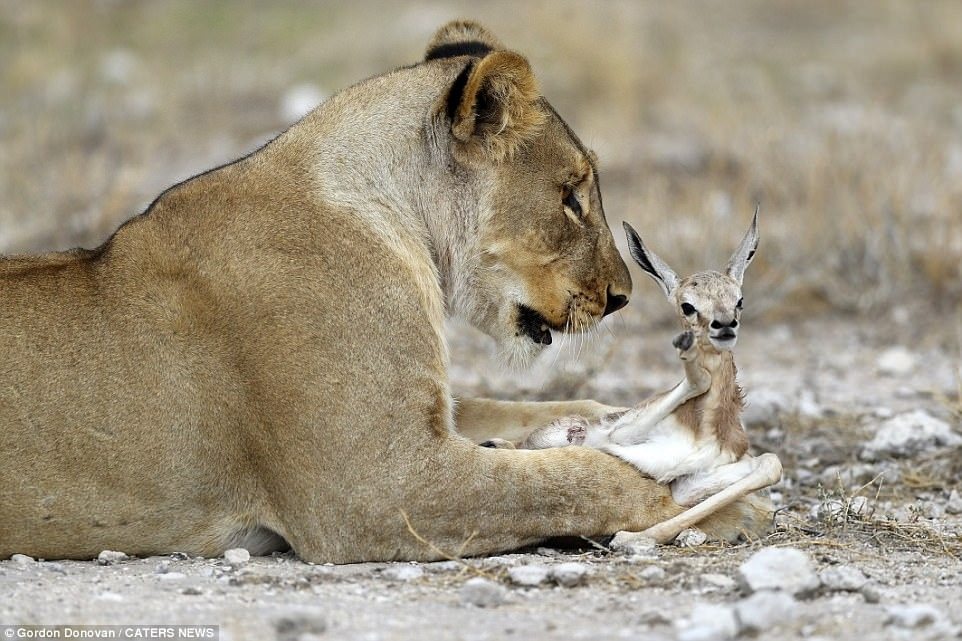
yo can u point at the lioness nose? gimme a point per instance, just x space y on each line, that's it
615 302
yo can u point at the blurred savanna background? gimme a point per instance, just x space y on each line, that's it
842 119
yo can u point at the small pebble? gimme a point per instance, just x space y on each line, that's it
763 610
403 573
634 544
708 622
870 593
22 559
954 504
172 576
482 593
237 557
912 616
720 581
192 591
569 574
55 567
690 538
843 578
298 627
896 361
787 569
653 573
528 575
109 557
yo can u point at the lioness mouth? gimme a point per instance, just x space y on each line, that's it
533 325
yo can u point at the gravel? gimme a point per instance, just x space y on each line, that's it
912 616
908 434
690 538
109 557
569 574
482 593
403 573
842 578
708 622
763 610
529 575
786 569
237 557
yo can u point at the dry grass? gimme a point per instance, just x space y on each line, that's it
842 119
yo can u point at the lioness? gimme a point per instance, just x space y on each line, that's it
258 359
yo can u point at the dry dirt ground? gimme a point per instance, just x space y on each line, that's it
818 391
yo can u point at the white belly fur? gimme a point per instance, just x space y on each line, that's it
666 450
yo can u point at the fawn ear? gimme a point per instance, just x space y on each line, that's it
494 107
746 251
648 261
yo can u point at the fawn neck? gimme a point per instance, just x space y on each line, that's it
717 413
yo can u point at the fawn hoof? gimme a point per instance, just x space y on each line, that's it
684 341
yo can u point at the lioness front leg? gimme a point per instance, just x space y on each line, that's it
484 420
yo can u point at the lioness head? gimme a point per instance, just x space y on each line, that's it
541 255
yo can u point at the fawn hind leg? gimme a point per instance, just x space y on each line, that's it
766 470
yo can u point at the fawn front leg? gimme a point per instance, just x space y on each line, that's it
634 426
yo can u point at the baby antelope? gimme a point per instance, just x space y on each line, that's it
691 436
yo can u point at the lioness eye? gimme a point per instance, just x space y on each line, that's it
571 201
740 302
687 309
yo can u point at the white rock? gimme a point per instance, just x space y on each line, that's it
22 559
237 557
843 578
118 66
912 616
404 572
763 610
787 569
896 361
720 581
171 576
528 575
653 573
482 593
569 574
764 407
109 557
954 504
908 434
690 538
708 622
634 544
298 101
808 406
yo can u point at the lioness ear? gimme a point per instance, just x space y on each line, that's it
493 106
655 267
462 38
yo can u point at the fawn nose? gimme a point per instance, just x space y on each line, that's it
614 302
716 325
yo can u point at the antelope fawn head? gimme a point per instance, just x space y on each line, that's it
709 303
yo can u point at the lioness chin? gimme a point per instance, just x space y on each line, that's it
258 359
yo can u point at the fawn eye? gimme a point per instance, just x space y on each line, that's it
740 303
688 309
570 201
